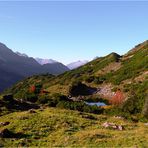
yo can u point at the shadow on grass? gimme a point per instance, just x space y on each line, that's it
6 133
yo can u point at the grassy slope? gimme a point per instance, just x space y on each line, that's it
58 127
62 82
131 66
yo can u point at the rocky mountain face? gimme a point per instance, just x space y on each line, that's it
76 64
16 66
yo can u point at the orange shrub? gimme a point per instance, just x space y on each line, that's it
32 89
118 98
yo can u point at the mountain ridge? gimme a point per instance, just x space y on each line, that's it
17 66
45 61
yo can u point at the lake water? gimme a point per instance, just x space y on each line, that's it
96 103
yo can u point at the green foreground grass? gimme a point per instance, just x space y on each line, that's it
52 127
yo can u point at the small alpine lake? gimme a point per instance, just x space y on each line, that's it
95 103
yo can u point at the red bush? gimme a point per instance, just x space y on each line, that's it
118 98
32 89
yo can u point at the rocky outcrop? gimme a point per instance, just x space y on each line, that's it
113 126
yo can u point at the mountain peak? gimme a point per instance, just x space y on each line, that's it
114 54
45 61
76 64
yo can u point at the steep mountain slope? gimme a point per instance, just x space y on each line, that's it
76 64
8 78
107 74
14 67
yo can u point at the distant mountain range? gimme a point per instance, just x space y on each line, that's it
16 66
77 64
45 61
71 66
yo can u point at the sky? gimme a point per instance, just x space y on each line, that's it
68 31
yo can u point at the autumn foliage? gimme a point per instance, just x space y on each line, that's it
35 88
118 98
32 89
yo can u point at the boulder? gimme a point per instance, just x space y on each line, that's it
113 126
146 124
120 127
118 117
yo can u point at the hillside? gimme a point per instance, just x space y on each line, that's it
62 128
15 67
107 74
113 69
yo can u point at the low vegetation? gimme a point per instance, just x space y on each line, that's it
65 128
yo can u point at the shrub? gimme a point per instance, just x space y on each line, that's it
43 99
55 99
118 98
79 106
31 97
38 88
132 105
21 95
59 97
35 88
99 80
89 79
32 89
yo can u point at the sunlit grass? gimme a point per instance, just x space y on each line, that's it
56 127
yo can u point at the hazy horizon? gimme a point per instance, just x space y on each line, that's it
68 31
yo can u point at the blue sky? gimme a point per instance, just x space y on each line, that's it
68 31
